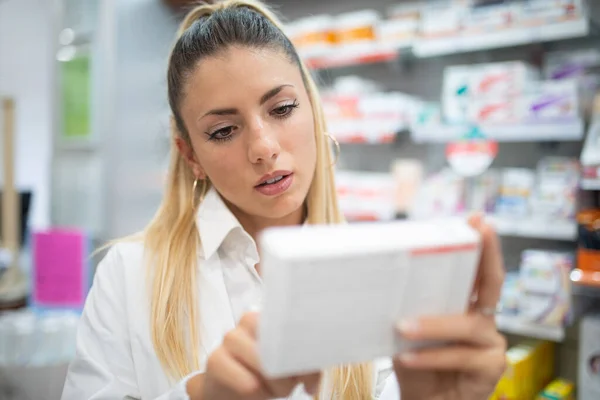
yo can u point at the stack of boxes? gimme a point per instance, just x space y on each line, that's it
506 93
530 367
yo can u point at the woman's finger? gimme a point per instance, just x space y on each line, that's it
490 275
470 328
244 349
249 322
489 361
311 383
233 376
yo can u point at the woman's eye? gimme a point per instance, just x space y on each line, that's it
284 110
222 134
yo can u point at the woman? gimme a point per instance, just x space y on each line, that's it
249 152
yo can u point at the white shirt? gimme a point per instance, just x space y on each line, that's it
115 356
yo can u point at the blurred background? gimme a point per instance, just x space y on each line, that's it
440 107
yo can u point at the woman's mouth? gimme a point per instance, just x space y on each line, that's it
275 184
272 181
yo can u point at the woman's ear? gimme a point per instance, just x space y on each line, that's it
187 152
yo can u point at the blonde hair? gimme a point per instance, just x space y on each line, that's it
171 239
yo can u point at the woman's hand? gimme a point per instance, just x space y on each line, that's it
470 368
233 370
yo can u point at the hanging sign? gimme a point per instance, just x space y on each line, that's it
471 158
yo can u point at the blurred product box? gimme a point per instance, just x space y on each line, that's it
515 190
408 178
366 196
550 100
555 193
530 367
486 92
427 114
493 110
406 11
402 26
61 274
441 20
455 93
442 195
505 79
588 248
560 65
580 65
313 36
484 191
544 12
545 287
358 111
511 294
394 34
356 31
558 389
488 19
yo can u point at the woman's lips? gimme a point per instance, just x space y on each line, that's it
282 183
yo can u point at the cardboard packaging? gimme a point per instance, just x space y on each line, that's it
331 287
558 389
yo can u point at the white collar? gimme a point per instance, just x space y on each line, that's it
215 221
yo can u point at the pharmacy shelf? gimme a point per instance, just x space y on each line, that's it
530 132
585 282
517 326
345 59
500 39
77 145
580 289
527 228
590 184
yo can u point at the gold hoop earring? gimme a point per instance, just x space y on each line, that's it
195 198
338 150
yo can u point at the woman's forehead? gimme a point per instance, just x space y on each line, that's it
243 66
239 73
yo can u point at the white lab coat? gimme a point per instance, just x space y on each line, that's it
115 356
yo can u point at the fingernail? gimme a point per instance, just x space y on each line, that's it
408 326
254 308
407 357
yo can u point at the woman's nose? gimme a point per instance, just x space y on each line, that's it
264 146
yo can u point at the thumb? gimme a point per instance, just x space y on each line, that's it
311 382
476 221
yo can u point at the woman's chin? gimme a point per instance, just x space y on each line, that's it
284 206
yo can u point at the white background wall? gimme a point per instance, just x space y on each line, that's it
26 35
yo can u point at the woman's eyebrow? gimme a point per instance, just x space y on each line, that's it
265 97
272 93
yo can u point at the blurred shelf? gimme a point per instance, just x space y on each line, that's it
77 145
531 132
500 39
585 282
345 59
580 289
526 228
517 326
590 184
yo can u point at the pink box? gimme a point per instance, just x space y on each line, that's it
60 276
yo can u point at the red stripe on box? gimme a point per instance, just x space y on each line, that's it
443 249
